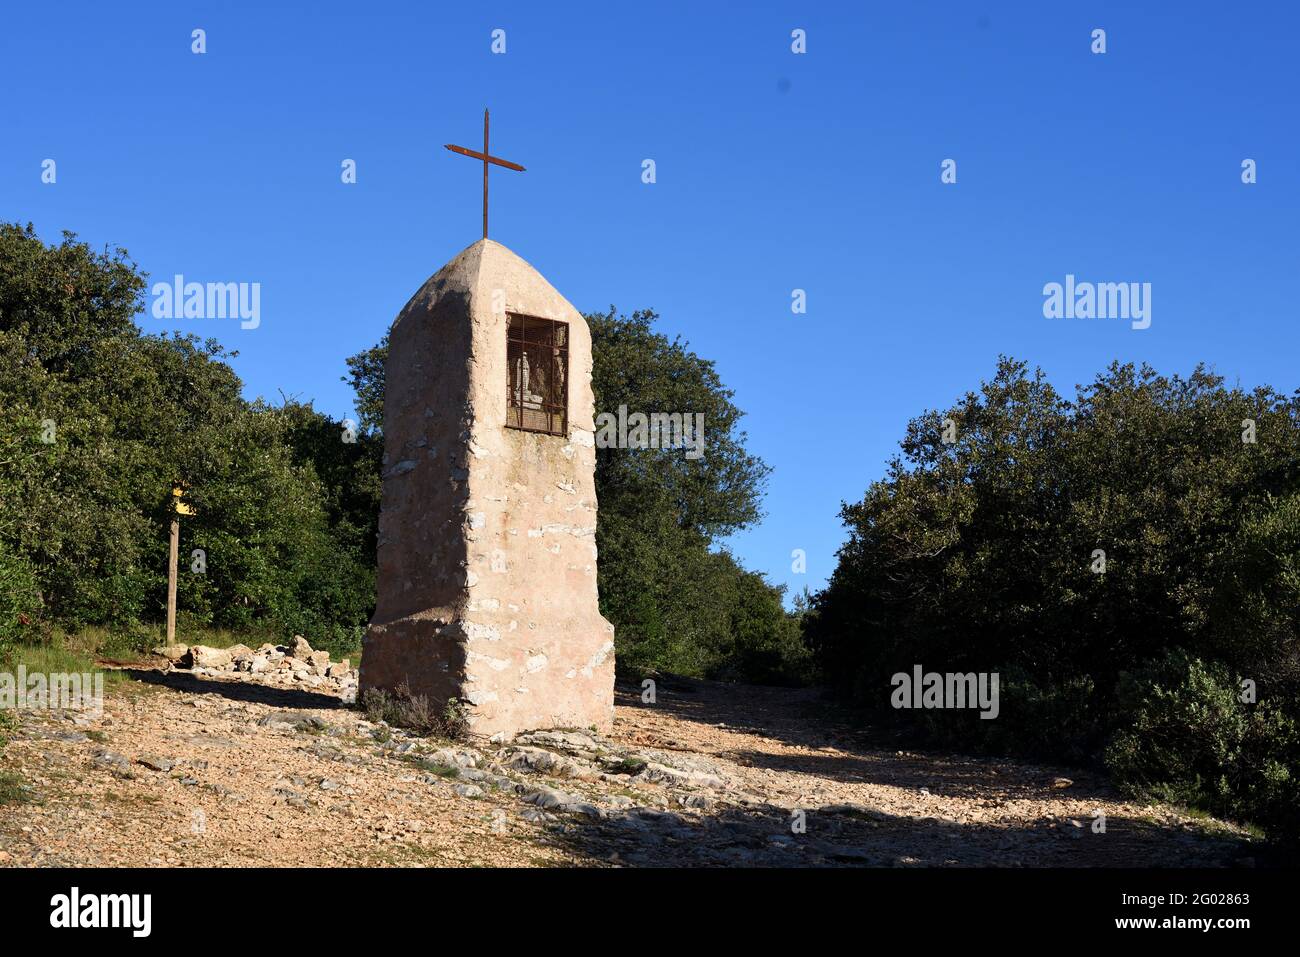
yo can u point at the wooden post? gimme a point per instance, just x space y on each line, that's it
171 580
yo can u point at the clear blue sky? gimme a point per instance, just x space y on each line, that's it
776 171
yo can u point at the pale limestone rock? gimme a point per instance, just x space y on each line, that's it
240 653
201 656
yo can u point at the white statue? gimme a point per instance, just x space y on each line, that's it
523 395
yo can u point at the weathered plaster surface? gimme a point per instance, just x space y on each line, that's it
487 549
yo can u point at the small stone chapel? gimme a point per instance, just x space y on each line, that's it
487 534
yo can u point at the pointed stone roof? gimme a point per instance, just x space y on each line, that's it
479 271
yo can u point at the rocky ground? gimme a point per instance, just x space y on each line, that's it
212 763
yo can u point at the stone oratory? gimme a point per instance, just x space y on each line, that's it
487 534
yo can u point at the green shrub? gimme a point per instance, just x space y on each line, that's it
1047 719
1190 739
130 640
977 551
401 708
20 600
285 511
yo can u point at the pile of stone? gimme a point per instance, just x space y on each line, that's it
294 664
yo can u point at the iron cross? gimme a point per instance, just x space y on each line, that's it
486 158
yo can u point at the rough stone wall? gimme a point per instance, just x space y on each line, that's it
487 567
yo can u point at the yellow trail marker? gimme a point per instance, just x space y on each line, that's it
182 508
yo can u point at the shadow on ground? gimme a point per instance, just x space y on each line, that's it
837 748
767 838
813 736
235 690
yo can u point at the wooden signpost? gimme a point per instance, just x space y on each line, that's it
181 508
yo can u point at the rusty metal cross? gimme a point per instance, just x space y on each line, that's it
487 159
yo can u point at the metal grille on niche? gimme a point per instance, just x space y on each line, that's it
537 355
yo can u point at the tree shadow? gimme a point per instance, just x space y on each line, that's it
808 719
244 691
941 774
827 837
829 743
801 716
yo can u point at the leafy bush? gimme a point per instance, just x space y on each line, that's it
130 639
979 551
1051 719
1191 739
285 509
20 599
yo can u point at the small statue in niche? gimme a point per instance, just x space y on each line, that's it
523 376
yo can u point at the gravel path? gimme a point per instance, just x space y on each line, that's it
185 770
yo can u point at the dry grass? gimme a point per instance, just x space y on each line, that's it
403 709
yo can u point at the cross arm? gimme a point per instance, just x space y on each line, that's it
479 156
